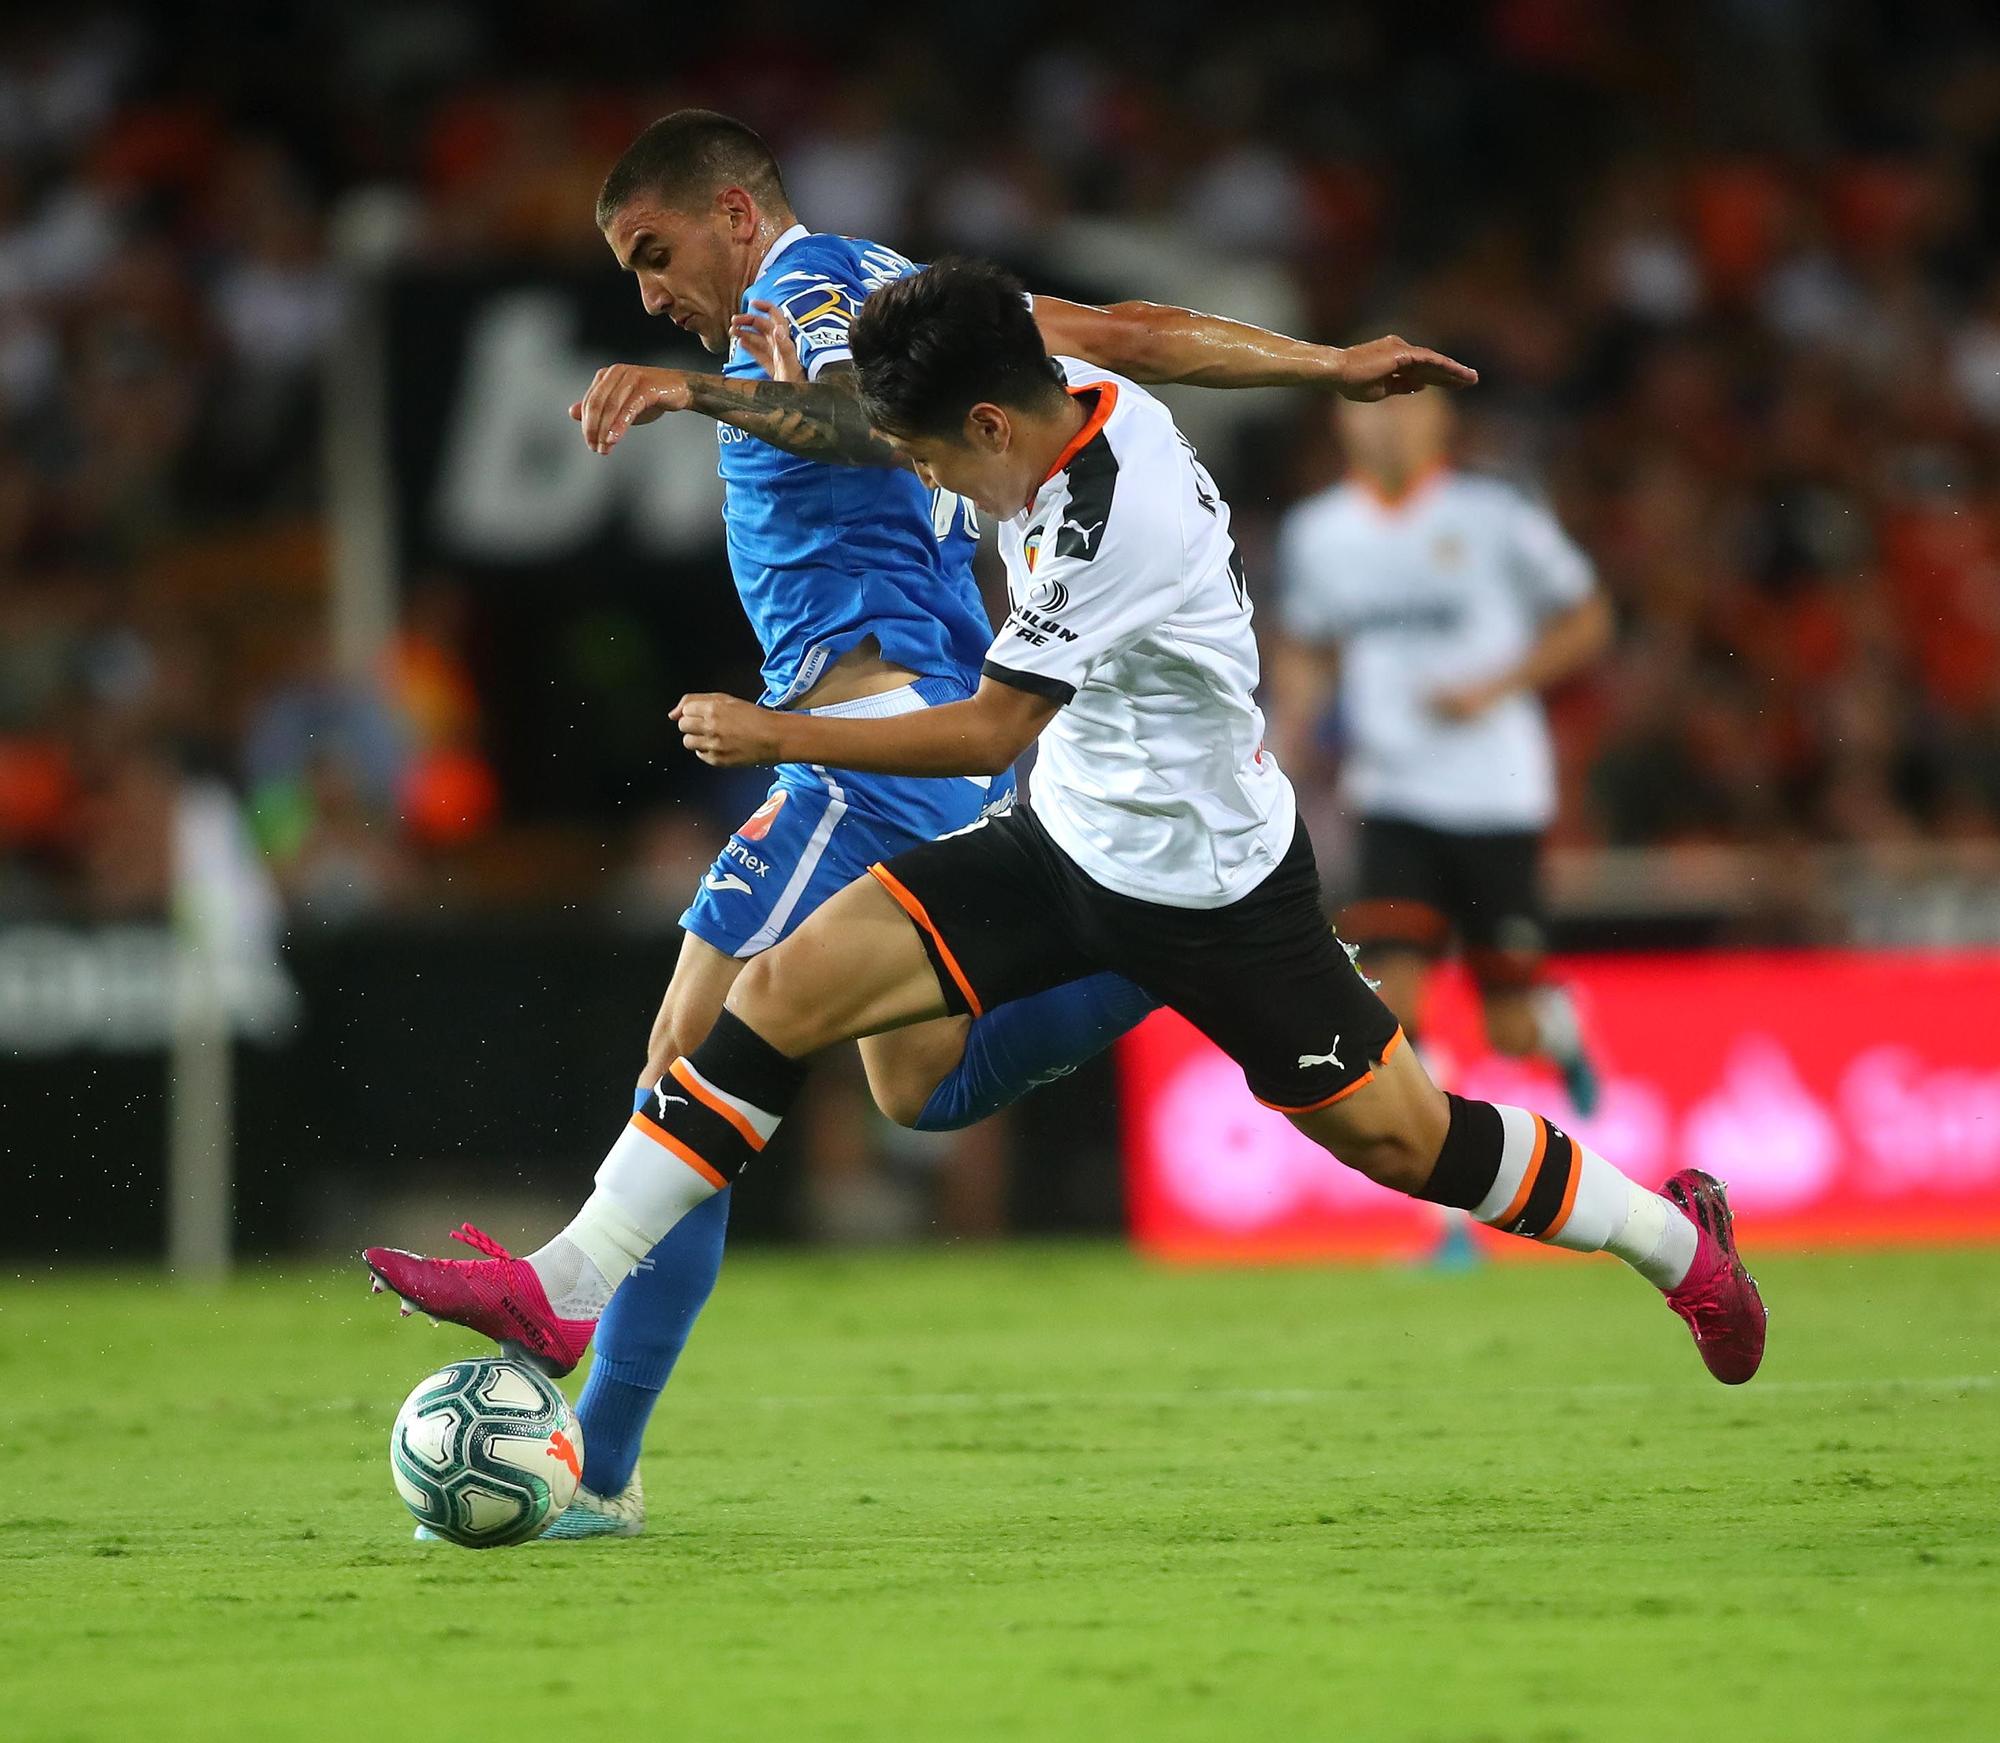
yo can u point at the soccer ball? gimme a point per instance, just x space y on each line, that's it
486 1452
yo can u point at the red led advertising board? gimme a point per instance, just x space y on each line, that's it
1848 1098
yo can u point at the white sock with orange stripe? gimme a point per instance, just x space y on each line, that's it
1551 1187
692 1142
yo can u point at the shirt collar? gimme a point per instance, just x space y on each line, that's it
797 233
1093 427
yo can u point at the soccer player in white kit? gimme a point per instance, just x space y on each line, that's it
1434 606
1161 840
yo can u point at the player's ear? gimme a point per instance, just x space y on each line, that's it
738 212
988 427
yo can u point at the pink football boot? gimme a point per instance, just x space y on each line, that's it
498 1296
1717 1298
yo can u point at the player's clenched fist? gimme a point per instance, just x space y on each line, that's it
727 731
626 394
766 338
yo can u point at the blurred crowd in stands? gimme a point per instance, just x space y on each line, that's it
1730 270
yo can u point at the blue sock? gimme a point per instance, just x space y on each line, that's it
641 1337
1016 1046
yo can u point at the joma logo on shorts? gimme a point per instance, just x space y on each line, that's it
749 861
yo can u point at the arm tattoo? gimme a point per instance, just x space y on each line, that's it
821 420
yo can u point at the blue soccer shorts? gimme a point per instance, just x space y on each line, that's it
820 829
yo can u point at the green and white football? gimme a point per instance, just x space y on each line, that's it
486 1452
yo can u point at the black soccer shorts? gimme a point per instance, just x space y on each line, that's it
1419 886
1003 912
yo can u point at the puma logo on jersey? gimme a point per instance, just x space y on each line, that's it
724 883
1083 532
1330 1057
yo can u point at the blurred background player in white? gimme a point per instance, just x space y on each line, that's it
1430 607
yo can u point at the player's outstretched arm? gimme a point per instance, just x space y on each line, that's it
984 735
1151 342
821 420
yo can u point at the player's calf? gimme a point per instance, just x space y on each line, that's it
1390 1126
947 1075
1517 1172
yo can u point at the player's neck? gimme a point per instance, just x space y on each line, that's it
1392 486
1043 438
770 226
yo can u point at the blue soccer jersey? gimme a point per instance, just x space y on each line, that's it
826 557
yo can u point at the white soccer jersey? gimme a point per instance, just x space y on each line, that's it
1446 587
1128 607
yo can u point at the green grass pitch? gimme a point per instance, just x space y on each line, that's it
1038 1493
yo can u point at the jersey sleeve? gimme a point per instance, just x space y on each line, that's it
1086 600
1309 607
821 306
1549 568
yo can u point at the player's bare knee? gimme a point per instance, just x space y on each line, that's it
758 996
1399 1157
904 1074
1391 1129
906 1066
781 997
901 1097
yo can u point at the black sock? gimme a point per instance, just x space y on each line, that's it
725 1099
1469 1161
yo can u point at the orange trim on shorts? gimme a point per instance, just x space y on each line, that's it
1569 1193
1346 1090
1528 1178
666 1140
714 1103
1107 399
915 909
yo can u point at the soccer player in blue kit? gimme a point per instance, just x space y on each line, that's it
858 582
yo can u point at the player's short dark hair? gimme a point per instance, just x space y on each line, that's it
688 157
932 345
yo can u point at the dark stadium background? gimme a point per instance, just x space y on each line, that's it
1729 270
